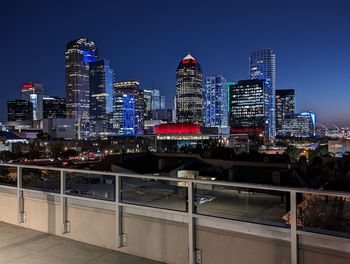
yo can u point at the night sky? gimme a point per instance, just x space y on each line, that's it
145 40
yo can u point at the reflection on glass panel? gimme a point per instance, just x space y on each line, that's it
90 185
249 205
324 214
155 193
41 179
8 175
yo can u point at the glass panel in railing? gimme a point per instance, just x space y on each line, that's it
155 193
249 205
90 185
324 214
41 179
8 175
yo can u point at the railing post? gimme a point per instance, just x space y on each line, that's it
118 212
191 225
293 228
20 202
63 202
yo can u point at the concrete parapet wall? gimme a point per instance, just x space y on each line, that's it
159 239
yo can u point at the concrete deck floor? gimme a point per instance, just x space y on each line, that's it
26 246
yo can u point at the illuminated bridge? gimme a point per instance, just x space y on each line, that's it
144 219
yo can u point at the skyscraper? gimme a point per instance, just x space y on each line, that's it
78 55
33 92
285 106
54 107
162 102
155 99
215 102
128 107
147 97
101 98
249 108
262 66
189 92
128 125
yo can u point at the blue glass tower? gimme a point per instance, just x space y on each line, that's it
128 114
215 102
128 108
262 66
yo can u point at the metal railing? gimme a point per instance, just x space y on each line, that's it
293 210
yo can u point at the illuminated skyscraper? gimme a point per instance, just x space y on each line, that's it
147 97
128 125
285 106
33 92
155 99
128 108
215 102
162 102
101 98
249 108
262 66
189 92
78 55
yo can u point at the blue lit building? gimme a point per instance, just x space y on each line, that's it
127 95
128 115
262 66
78 55
215 102
101 98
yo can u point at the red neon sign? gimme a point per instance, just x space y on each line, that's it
27 85
189 61
177 129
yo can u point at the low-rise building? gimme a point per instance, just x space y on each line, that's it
301 125
59 128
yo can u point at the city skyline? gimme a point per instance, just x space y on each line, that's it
300 62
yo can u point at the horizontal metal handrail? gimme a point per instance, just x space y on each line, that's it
196 181
187 216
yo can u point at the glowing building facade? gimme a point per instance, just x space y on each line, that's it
285 107
189 91
33 92
215 102
262 66
249 108
128 108
301 125
78 55
54 107
147 97
101 98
